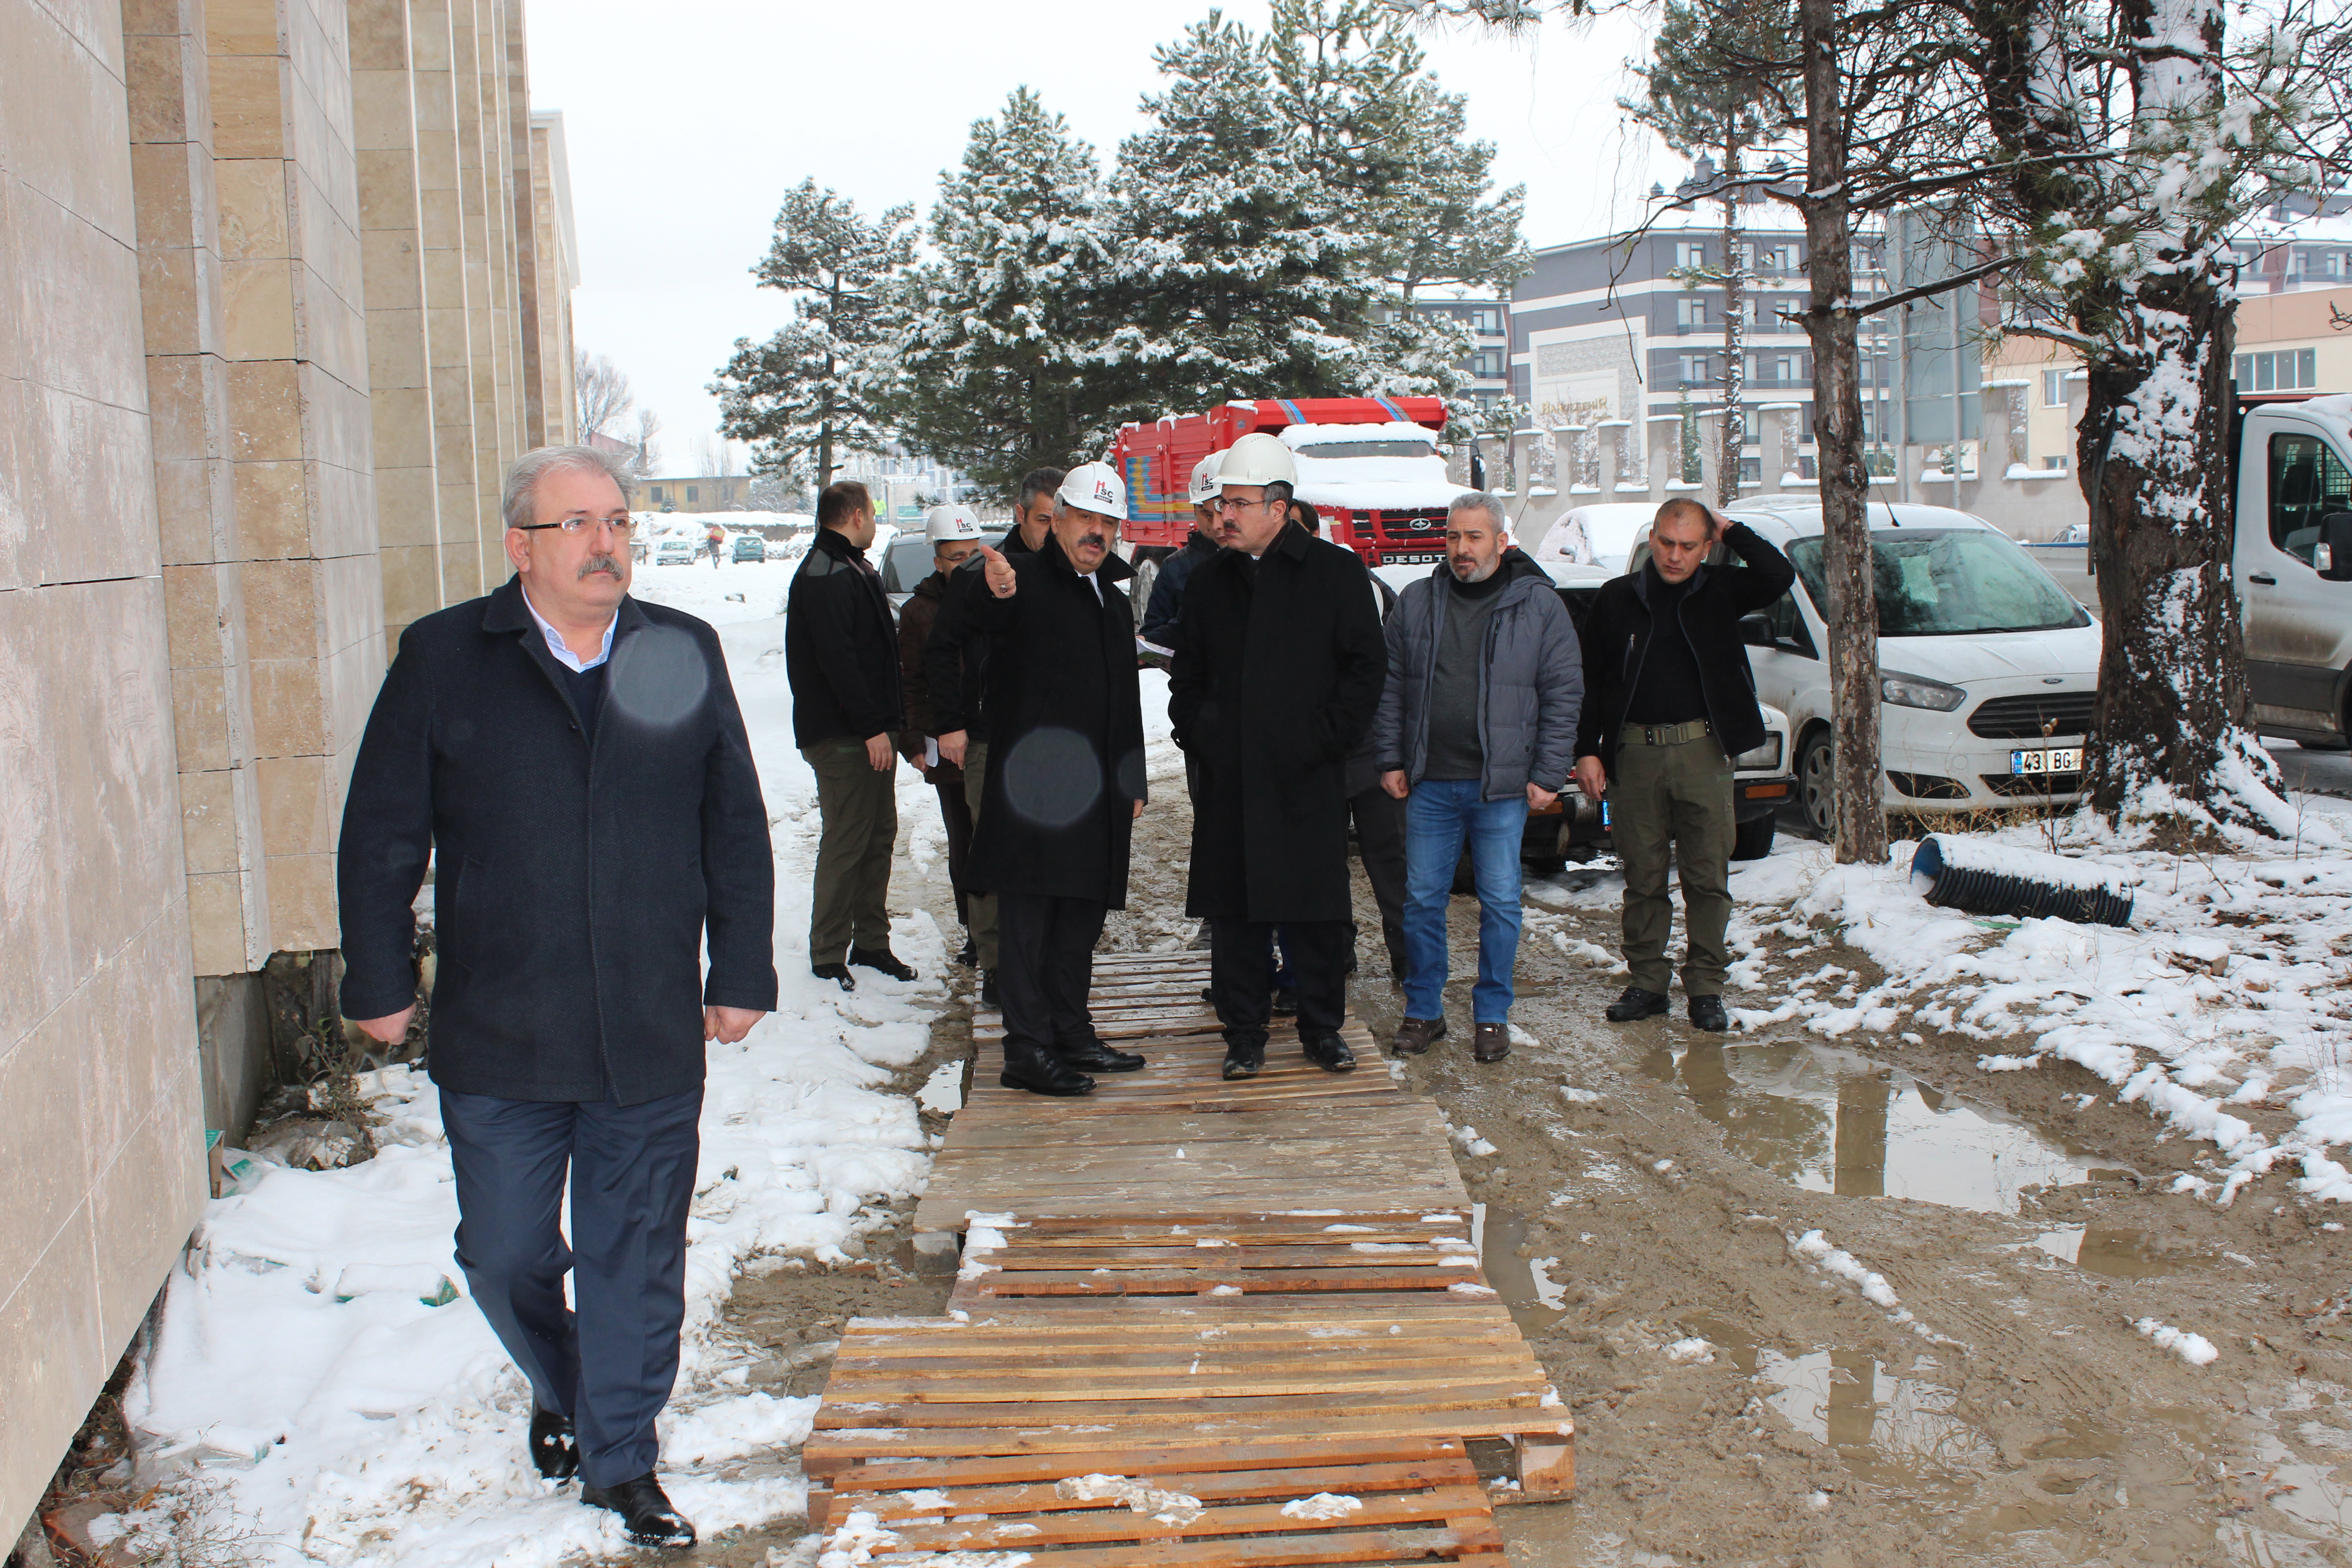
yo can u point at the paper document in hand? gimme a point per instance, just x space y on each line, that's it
1142 647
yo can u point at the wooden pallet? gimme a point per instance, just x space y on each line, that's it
1249 1294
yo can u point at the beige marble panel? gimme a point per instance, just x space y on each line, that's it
243 27
295 805
118 768
65 117
407 508
283 615
273 511
217 934
289 717
264 407
251 193
195 501
75 286
46 1176
208 825
53 1345
201 732
412 587
302 901
258 309
149 1201
101 473
247 122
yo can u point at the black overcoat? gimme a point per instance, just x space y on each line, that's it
1065 731
1275 680
574 884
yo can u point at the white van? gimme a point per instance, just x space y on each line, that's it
2294 566
1988 669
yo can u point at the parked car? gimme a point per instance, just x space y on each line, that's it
674 553
2293 563
1601 535
748 547
1988 669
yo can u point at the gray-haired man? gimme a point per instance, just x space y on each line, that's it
1476 726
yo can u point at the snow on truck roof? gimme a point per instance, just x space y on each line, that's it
1297 436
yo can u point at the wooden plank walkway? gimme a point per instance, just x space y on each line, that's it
1194 1322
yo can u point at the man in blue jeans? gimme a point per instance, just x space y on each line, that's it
1476 726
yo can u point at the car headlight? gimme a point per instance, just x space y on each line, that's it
1918 692
1766 756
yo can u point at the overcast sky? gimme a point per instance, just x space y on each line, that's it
686 129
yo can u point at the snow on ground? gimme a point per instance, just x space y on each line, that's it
2226 989
324 1406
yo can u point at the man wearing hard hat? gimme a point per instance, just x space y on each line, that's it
1160 617
1065 777
954 533
1278 669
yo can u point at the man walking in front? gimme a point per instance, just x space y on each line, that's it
1669 701
955 668
1065 777
954 534
1276 678
1476 728
842 656
573 765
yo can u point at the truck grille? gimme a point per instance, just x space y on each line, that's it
1421 526
2025 718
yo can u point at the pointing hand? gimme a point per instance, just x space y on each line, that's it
1001 582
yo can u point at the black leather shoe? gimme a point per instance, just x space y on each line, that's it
836 972
1097 1055
1706 1013
644 1510
554 1448
1326 1050
882 960
1041 1071
1286 1002
1635 1002
969 954
1244 1061
988 997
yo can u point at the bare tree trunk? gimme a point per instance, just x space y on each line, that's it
1852 609
1735 337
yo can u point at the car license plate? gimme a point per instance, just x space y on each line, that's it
2056 760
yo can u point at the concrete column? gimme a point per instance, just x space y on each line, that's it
1665 441
1620 457
187 392
553 278
530 337
295 337
477 208
392 252
448 333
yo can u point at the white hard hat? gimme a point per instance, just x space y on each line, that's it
1257 460
1205 478
1095 487
946 524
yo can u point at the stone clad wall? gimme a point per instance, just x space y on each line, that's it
259 376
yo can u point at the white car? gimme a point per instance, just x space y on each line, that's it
1988 669
1599 535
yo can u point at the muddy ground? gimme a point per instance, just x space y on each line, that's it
1740 1401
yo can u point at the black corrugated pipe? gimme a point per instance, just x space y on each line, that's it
2003 879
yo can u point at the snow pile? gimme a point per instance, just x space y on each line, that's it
2194 1349
1691 1350
1178 1509
1814 1248
301 1370
2229 989
1322 1505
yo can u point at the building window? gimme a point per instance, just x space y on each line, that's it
2053 389
2058 463
1783 258
1690 253
1695 369
656 493
1486 365
2333 263
2283 370
1487 319
1791 367
690 493
1690 315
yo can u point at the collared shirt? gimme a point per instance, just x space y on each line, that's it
564 655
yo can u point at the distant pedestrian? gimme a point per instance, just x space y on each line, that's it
714 539
842 656
1274 681
1670 700
1066 777
954 534
955 669
572 761
1477 727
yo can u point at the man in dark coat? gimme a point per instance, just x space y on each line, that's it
1064 778
1669 700
954 535
1161 617
574 765
955 670
1275 682
840 652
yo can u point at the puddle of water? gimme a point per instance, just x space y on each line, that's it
942 1092
1535 1299
1832 1122
2117 1253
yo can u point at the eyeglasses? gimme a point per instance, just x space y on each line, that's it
1227 503
623 526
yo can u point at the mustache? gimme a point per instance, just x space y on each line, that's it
1093 540
604 563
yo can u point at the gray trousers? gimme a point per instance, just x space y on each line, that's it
859 808
1675 803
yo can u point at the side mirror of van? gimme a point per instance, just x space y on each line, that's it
1756 628
2333 558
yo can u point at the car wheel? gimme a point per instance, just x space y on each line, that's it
1817 783
1753 841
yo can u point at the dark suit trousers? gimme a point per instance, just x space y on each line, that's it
1241 974
1379 843
1045 967
955 815
610 1365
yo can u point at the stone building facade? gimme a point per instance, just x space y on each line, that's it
284 286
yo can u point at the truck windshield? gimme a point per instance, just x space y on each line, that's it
1367 449
1944 582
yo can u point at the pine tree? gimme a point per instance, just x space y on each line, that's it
996 357
805 394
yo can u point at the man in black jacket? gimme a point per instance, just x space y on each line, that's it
1065 777
573 763
955 668
1275 682
842 656
1669 700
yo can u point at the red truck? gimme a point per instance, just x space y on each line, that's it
1370 465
